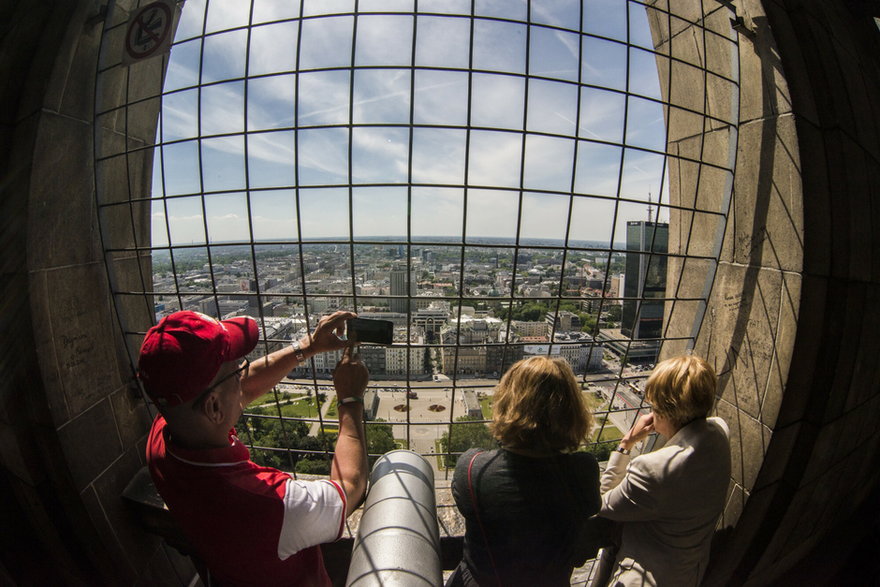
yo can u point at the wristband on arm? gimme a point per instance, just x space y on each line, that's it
297 352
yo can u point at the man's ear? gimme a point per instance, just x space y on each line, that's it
212 408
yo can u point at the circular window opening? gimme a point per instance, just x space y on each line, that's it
493 177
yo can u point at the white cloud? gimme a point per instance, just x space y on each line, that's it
602 115
323 97
266 228
495 159
544 216
272 147
380 155
381 96
437 212
222 109
442 41
492 213
563 13
179 115
549 162
384 40
273 48
438 156
323 156
272 10
497 101
226 14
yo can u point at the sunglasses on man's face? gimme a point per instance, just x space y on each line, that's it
240 372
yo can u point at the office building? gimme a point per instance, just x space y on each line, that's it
401 285
646 246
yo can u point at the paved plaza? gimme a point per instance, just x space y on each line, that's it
424 417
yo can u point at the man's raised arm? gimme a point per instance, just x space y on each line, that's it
266 372
350 458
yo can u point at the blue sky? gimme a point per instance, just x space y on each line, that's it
562 150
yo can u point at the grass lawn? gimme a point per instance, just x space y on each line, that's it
593 402
438 448
609 433
269 398
300 409
486 407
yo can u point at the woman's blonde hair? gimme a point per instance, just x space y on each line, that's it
682 389
539 405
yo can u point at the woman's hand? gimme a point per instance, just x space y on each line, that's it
640 430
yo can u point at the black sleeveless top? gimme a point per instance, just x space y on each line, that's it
531 510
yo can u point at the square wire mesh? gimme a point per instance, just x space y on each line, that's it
494 177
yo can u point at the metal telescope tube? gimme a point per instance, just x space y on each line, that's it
398 541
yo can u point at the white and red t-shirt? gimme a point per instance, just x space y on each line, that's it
251 525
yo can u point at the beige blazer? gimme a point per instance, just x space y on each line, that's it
668 502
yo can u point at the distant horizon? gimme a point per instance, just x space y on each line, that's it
524 242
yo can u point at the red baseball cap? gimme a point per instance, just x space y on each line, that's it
182 354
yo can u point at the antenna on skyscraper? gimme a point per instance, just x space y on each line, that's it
649 208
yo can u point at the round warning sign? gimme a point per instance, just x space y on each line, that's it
148 31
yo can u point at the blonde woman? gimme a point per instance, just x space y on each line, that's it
526 502
668 501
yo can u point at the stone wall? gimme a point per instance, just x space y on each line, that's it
790 325
819 468
72 424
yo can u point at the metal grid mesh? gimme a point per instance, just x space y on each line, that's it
508 150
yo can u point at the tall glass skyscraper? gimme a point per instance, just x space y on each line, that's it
646 246
399 279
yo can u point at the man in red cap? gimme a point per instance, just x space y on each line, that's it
251 525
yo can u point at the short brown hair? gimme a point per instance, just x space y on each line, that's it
682 389
539 405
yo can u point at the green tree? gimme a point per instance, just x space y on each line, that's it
463 435
614 312
273 432
321 442
271 458
309 458
529 312
588 322
569 306
601 450
426 361
287 434
380 439
313 466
